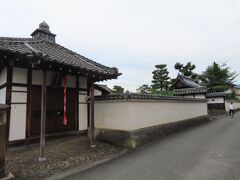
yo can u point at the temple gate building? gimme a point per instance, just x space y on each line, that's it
186 87
31 66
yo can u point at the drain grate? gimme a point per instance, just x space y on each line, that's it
218 155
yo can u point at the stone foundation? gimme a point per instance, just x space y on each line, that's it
8 177
132 139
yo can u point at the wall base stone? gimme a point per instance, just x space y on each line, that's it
132 139
10 176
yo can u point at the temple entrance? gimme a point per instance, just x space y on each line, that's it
54 114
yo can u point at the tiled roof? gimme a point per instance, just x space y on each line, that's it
53 52
216 94
184 86
142 97
103 87
187 81
237 87
197 90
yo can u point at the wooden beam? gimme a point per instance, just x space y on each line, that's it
29 103
43 117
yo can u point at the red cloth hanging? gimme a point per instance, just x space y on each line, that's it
65 102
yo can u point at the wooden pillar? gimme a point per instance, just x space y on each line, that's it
2 146
91 128
29 101
43 117
3 115
77 105
9 98
88 103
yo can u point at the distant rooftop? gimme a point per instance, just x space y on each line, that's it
216 94
184 82
103 88
237 87
186 91
184 86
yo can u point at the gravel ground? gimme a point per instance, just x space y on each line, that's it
62 154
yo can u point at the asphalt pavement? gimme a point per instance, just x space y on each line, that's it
210 151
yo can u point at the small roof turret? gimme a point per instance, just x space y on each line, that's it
43 32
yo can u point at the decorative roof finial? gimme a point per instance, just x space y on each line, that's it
44 25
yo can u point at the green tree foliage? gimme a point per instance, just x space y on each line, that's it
161 80
118 89
166 93
187 70
217 77
232 96
144 89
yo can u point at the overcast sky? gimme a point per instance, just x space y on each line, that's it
135 35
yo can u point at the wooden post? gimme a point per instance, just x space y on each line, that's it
9 98
2 145
92 139
77 105
29 101
43 117
3 115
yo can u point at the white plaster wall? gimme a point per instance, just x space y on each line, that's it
188 96
3 76
3 96
83 117
37 78
83 112
200 96
19 75
19 97
18 88
17 122
216 100
83 98
71 81
235 103
83 82
97 92
130 115
83 92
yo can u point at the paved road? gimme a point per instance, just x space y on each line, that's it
207 152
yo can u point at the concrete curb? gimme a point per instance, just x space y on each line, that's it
66 173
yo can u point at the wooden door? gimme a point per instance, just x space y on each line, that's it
54 114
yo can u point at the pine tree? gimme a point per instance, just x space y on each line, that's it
144 89
217 77
118 89
187 70
161 80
